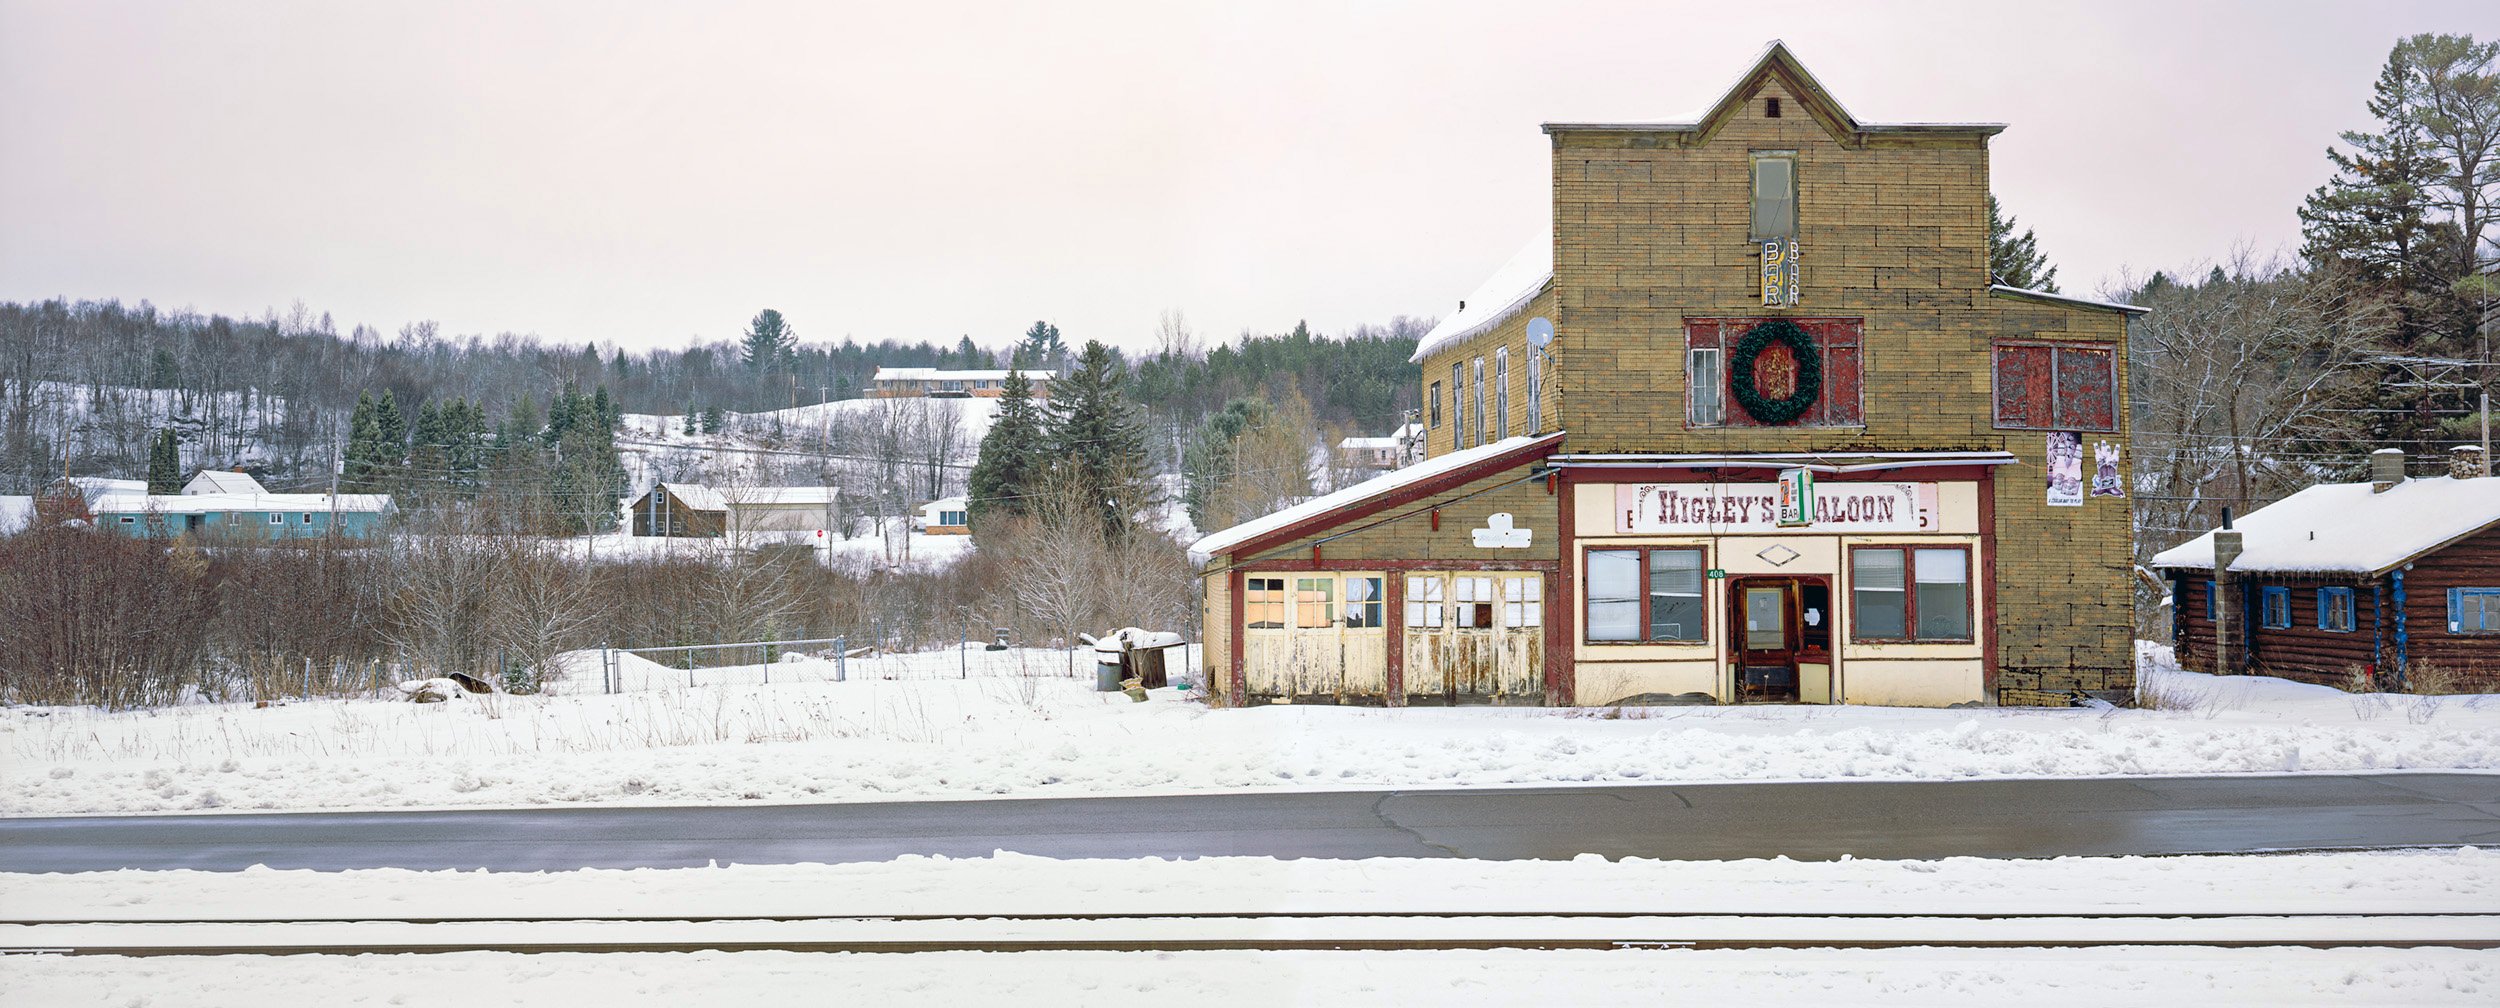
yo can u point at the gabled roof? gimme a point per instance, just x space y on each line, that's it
2343 528
1383 490
696 496
1777 62
1498 300
2027 294
222 481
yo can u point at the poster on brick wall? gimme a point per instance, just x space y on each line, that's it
2065 469
2105 481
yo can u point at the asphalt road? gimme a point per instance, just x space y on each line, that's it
1806 821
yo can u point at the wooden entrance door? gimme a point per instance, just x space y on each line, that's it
1475 636
1768 636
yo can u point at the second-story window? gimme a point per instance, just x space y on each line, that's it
1484 424
1536 391
1501 393
2056 386
1774 194
1458 404
1705 390
1432 408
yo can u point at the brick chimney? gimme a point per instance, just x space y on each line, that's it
2227 546
2465 461
2387 468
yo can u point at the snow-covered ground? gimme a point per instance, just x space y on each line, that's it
2427 882
983 724
923 552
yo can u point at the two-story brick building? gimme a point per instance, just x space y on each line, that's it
1773 298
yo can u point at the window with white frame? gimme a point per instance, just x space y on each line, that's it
1523 603
1458 404
1484 424
1424 598
1501 393
1705 390
276 518
1536 390
1263 603
1363 603
1474 596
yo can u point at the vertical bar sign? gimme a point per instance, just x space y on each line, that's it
1774 267
1779 272
1796 497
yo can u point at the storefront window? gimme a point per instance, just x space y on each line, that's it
1918 594
1614 595
1676 612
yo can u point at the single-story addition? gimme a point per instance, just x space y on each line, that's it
267 515
939 383
2344 582
1514 573
945 516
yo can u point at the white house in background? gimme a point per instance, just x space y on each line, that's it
1381 454
937 383
221 481
945 516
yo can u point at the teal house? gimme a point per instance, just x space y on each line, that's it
264 515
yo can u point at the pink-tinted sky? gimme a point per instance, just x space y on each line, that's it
644 173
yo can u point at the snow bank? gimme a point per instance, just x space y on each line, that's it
1027 724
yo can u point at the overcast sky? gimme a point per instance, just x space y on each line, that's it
649 173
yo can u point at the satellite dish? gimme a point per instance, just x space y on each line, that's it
1540 331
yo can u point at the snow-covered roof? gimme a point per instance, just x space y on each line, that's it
940 374
93 487
1778 52
780 496
221 481
16 513
2345 528
696 496
1377 486
123 503
1360 443
1497 300
2026 293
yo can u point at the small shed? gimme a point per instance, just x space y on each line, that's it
681 510
2350 583
945 516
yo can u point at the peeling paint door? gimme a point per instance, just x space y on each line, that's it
1314 634
1476 635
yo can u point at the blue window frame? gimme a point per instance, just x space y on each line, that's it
2474 610
2335 609
2213 603
2276 607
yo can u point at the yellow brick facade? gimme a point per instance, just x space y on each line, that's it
1651 228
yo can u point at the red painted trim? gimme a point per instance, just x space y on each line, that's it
1407 494
1240 677
1770 470
1640 562
1393 595
1909 591
1561 629
1990 632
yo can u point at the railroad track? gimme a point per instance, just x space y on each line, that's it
1238 931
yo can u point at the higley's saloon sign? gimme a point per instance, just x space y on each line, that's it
1754 507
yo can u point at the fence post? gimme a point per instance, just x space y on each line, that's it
841 659
689 669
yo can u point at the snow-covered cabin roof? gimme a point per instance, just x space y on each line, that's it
940 506
1776 60
1499 299
2027 294
1377 486
941 374
2344 528
222 481
1360 443
696 496
92 487
184 504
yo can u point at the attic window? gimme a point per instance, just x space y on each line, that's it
1770 108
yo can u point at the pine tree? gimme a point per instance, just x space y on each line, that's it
690 420
164 464
2015 260
1042 347
363 446
1097 431
969 355
1012 453
714 418
769 342
429 450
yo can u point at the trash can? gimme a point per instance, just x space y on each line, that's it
1110 665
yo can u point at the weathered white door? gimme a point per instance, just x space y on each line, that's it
1476 635
1315 633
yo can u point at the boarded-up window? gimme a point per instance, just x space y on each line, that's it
2056 386
1837 344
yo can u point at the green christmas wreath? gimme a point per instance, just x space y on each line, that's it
1809 372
